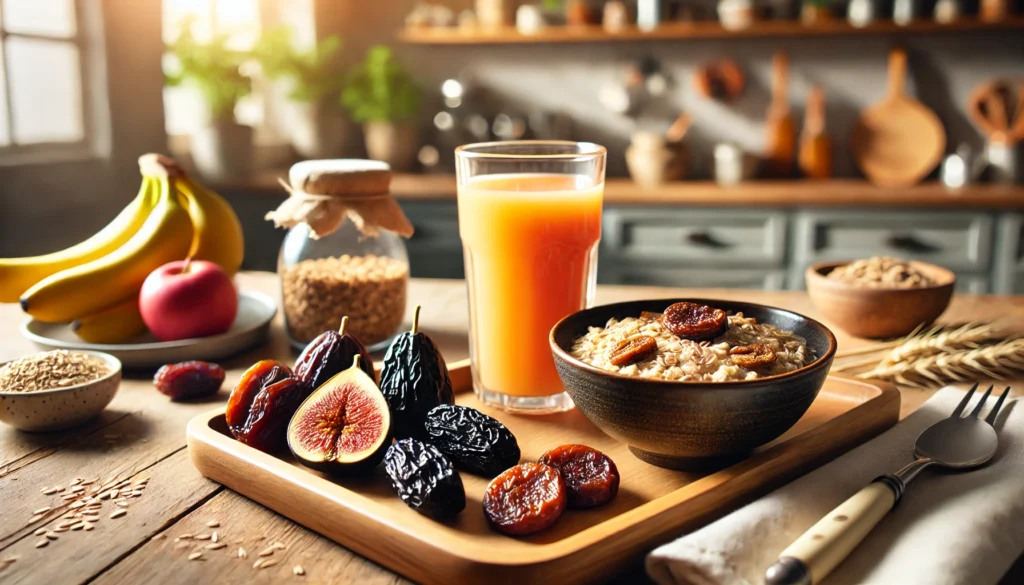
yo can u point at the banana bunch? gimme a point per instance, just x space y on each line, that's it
95 284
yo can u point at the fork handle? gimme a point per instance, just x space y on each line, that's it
819 550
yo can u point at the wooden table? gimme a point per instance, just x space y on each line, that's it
142 434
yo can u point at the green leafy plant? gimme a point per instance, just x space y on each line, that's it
213 68
381 89
315 72
553 5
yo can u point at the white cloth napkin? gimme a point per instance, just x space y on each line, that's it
950 528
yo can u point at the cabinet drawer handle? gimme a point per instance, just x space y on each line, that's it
908 243
702 238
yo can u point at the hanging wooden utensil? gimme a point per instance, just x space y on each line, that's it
815 157
989 107
677 131
780 147
897 141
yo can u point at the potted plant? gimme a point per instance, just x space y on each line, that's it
222 148
381 95
316 122
815 11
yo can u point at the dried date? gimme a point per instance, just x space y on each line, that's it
633 350
591 478
755 356
262 403
525 499
189 380
425 479
695 322
474 441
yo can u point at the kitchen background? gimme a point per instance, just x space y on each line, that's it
102 75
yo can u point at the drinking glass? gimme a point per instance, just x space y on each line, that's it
530 221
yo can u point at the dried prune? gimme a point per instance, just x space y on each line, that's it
330 354
189 380
633 350
753 357
591 478
425 479
474 441
694 322
414 379
525 499
262 403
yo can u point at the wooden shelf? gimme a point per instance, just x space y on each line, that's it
855 193
692 30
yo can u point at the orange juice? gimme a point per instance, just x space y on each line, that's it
530 244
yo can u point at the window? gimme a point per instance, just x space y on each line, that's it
43 73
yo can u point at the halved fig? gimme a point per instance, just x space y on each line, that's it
330 354
344 427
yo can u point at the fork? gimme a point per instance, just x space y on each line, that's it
958 443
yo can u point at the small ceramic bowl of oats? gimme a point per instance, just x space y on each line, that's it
57 390
880 297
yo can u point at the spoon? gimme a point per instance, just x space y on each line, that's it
954 443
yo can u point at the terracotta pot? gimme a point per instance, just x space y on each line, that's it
578 13
223 150
395 144
317 129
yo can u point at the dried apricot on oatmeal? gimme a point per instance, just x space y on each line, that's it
753 357
695 322
633 350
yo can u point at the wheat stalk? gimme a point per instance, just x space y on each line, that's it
988 361
945 339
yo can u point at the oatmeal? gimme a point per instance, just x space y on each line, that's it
881 272
766 349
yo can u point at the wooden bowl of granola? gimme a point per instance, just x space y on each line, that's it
708 412
57 390
879 298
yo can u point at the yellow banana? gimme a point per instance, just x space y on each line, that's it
116 324
17 275
218 233
68 295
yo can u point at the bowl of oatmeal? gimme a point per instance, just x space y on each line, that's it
880 297
688 383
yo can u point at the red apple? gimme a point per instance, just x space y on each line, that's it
186 299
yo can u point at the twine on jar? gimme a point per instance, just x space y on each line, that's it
324 214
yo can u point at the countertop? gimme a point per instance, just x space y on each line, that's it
142 434
831 193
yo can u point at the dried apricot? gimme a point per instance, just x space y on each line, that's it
525 499
753 357
591 478
633 350
694 322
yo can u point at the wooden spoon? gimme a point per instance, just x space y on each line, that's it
780 147
898 141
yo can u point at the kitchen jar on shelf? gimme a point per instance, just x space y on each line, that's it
343 254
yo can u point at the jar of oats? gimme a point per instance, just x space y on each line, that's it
344 253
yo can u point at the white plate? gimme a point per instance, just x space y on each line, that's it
255 312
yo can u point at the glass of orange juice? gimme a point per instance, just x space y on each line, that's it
530 221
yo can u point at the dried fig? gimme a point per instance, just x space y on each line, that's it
189 380
694 322
425 479
525 499
755 356
344 427
591 478
330 354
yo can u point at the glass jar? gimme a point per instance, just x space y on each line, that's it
359 269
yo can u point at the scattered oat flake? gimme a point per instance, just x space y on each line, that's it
267 551
257 564
268 563
195 556
216 545
185 536
118 513
36 518
89 526
242 554
40 532
42 510
78 526
160 536
214 537
49 491
42 543
202 537
61 529
122 504
213 524
278 546
52 535
298 570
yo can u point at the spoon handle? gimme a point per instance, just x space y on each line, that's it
819 550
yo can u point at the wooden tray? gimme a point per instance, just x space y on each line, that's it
653 505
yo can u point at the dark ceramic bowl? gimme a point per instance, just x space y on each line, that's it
688 425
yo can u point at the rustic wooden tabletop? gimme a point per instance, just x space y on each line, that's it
142 435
